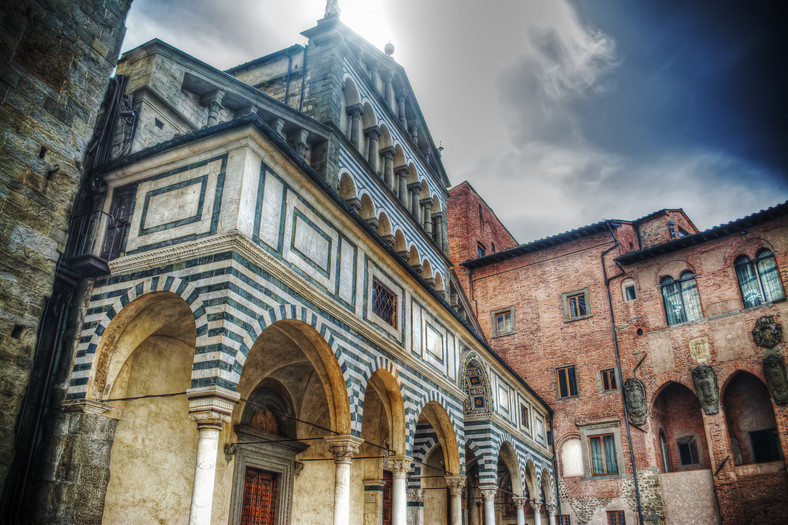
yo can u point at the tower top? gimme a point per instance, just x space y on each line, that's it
332 9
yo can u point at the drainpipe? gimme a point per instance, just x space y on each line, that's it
303 79
555 471
618 368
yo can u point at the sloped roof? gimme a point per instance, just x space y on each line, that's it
723 230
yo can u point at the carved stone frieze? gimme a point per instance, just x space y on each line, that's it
637 407
767 332
705 380
776 378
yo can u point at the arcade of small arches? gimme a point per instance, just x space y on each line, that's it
289 429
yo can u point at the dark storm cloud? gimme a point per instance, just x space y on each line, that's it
560 114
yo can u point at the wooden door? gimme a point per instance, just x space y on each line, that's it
259 504
387 490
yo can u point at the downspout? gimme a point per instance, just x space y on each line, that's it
303 79
555 471
618 368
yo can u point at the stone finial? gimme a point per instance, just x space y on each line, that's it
332 9
774 370
705 380
635 395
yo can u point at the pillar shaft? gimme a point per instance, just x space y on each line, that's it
400 466
415 208
455 484
210 408
519 505
402 176
388 167
343 448
488 494
537 513
372 146
401 111
355 111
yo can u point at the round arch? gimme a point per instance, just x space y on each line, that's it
434 414
387 389
509 457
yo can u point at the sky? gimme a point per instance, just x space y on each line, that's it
560 113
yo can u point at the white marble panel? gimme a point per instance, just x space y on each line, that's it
347 271
271 211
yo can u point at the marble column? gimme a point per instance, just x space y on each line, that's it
210 408
213 101
343 448
415 506
390 96
414 132
401 111
519 505
402 184
400 466
388 167
537 506
415 209
354 112
488 494
426 215
372 133
456 484
437 229
551 514
473 511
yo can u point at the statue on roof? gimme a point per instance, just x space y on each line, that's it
332 8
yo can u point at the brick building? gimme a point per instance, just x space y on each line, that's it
642 304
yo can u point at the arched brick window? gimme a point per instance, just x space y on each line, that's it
759 280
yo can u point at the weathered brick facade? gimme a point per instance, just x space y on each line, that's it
537 281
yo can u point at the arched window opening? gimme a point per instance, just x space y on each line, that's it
682 445
681 299
752 427
759 280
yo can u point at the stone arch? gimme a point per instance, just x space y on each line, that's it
103 337
400 245
350 97
347 188
676 411
324 354
426 271
448 431
750 419
531 479
545 481
387 388
439 281
674 269
507 454
414 259
413 174
385 137
367 207
748 247
436 205
384 225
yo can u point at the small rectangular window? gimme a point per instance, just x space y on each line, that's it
631 295
566 381
608 378
503 322
616 517
577 305
603 454
384 303
480 250
525 420
688 452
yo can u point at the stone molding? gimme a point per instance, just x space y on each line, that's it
343 448
212 406
87 406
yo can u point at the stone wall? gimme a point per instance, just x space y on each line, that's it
56 57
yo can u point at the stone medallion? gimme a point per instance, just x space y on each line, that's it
767 332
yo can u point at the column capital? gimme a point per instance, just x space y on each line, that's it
414 186
356 110
372 131
388 152
426 201
211 406
343 448
455 484
399 465
519 502
488 493
416 495
401 170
